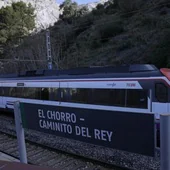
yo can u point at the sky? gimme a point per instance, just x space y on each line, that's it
79 1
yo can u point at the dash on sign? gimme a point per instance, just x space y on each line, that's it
82 119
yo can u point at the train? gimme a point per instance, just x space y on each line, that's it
132 88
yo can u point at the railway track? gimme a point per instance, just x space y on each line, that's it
44 156
38 154
53 151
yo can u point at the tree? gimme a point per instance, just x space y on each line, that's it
111 6
99 10
129 5
70 10
82 11
16 21
65 3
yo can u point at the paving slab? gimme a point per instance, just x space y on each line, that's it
5 157
7 165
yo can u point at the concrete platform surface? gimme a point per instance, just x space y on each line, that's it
10 163
7 165
5 157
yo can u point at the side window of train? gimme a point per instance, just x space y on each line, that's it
64 94
117 96
1 91
100 96
29 92
136 98
25 92
55 94
44 93
19 92
12 92
79 95
109 97
38 93
161 92
6 91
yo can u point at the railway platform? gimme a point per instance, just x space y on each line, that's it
5 157
9 163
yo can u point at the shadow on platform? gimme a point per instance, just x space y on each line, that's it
6 165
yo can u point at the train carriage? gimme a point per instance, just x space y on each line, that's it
140 88
132 88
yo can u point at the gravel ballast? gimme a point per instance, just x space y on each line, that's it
107 155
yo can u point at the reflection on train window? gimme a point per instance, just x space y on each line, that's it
161 92
79 95
1 91
44 94
19 91
12 92
64 94
51 94
118 97
6 91
108 97
16 92
29 92
111 97
54 94
136 98
37 93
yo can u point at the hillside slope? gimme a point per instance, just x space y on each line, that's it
120 33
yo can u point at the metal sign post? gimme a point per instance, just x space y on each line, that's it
20 133
165 141
48 44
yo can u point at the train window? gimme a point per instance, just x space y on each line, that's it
12 92
64 94
136 98
52 94
161 92
19 92
25 92
28 92
55 94
79 95
117 96
1 91
6 91
44 94
16 92
112 97
100 96
38 93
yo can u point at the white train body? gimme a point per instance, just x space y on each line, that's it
136 88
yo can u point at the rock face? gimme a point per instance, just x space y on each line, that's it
92 5
47 11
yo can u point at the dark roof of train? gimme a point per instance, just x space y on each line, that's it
136 70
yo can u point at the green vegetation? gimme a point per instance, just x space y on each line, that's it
71 11
161 53
15 23
116 32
